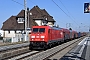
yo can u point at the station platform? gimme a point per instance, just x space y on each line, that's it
80 52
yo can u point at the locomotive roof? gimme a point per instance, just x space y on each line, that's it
56 28
47 26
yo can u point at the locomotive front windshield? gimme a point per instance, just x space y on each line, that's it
38 30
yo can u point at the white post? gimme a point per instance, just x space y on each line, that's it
25 7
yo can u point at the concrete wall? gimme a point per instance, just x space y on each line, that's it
1 33
9 34
15 37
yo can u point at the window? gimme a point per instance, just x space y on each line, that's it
20 20
38 29
42 30
35 29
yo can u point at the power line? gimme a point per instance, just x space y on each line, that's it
17 2
67 10
37 9
61 8
63 11
64 6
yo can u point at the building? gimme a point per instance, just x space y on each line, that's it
41 16
14 27
1 33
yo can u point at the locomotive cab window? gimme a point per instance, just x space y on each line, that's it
35 30
42 30
38 30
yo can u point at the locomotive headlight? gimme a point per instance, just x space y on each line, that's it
42 39
32 39
42 36
32 36
61 33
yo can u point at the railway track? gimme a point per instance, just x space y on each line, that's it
48 54
23 55
15 46
12 50
62 52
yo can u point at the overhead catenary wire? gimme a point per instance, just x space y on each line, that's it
62 10
64 6
33 3
67 10
17 2
38 10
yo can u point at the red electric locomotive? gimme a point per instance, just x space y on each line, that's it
46 36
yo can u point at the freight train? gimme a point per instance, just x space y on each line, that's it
43 37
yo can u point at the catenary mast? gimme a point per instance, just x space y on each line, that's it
25 7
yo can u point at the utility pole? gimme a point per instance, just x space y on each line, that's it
28 17
25 7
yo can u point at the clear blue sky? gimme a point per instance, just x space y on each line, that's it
73 8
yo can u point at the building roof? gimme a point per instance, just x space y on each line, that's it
37 13
41 14
9 23
21 13
12 24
